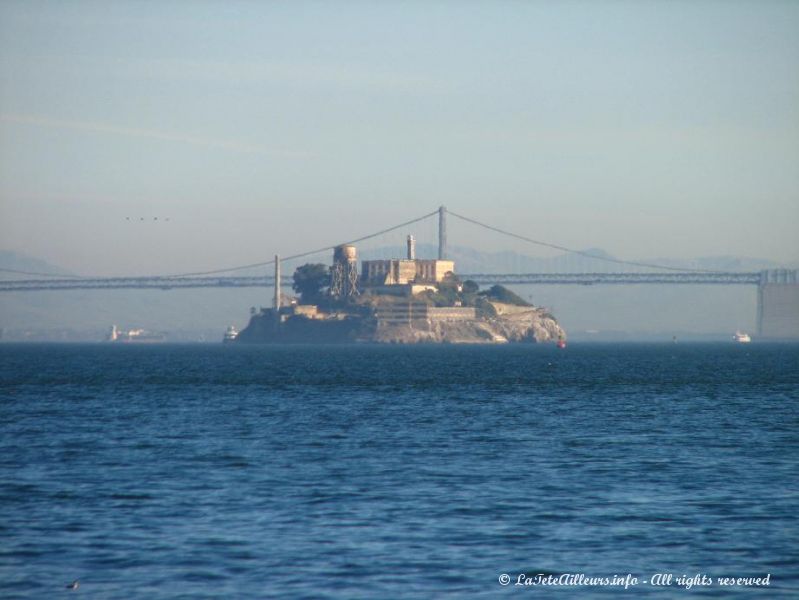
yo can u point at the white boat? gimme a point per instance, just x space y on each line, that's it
231 333
140 336
741 338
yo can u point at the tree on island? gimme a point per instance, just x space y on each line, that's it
310 281
502 294
452 292
470 287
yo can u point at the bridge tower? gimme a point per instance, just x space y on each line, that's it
778 304
276 300
442 232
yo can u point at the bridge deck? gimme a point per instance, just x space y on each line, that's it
168 283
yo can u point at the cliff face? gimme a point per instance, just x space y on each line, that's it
448 332
504 323
263 328
525 323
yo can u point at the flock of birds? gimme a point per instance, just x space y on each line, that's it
145 219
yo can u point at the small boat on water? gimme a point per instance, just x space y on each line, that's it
741 338
134 336
231 333
561 342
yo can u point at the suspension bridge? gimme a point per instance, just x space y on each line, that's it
176 282
778 289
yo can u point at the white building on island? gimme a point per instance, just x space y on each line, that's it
406 271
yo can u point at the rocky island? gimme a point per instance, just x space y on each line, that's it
404 301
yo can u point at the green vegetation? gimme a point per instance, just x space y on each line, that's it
470 287
451 292
500 293
484 307
447 294
469 293
310 281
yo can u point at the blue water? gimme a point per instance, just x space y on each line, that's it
395 472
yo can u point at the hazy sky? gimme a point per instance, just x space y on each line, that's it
644 128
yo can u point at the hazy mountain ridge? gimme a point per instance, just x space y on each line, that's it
17 261
469 260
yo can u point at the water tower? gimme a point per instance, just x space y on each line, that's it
344 273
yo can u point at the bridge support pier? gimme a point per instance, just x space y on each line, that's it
442 232
778 304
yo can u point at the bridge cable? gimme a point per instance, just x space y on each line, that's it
61 275
302 254
580 252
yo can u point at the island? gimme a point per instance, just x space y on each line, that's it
401 300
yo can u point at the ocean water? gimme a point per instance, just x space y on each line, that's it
397 472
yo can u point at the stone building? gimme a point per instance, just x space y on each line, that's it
405 271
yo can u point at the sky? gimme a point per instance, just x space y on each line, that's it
647 129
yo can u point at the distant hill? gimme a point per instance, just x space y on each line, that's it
86 315
20 266
469 260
